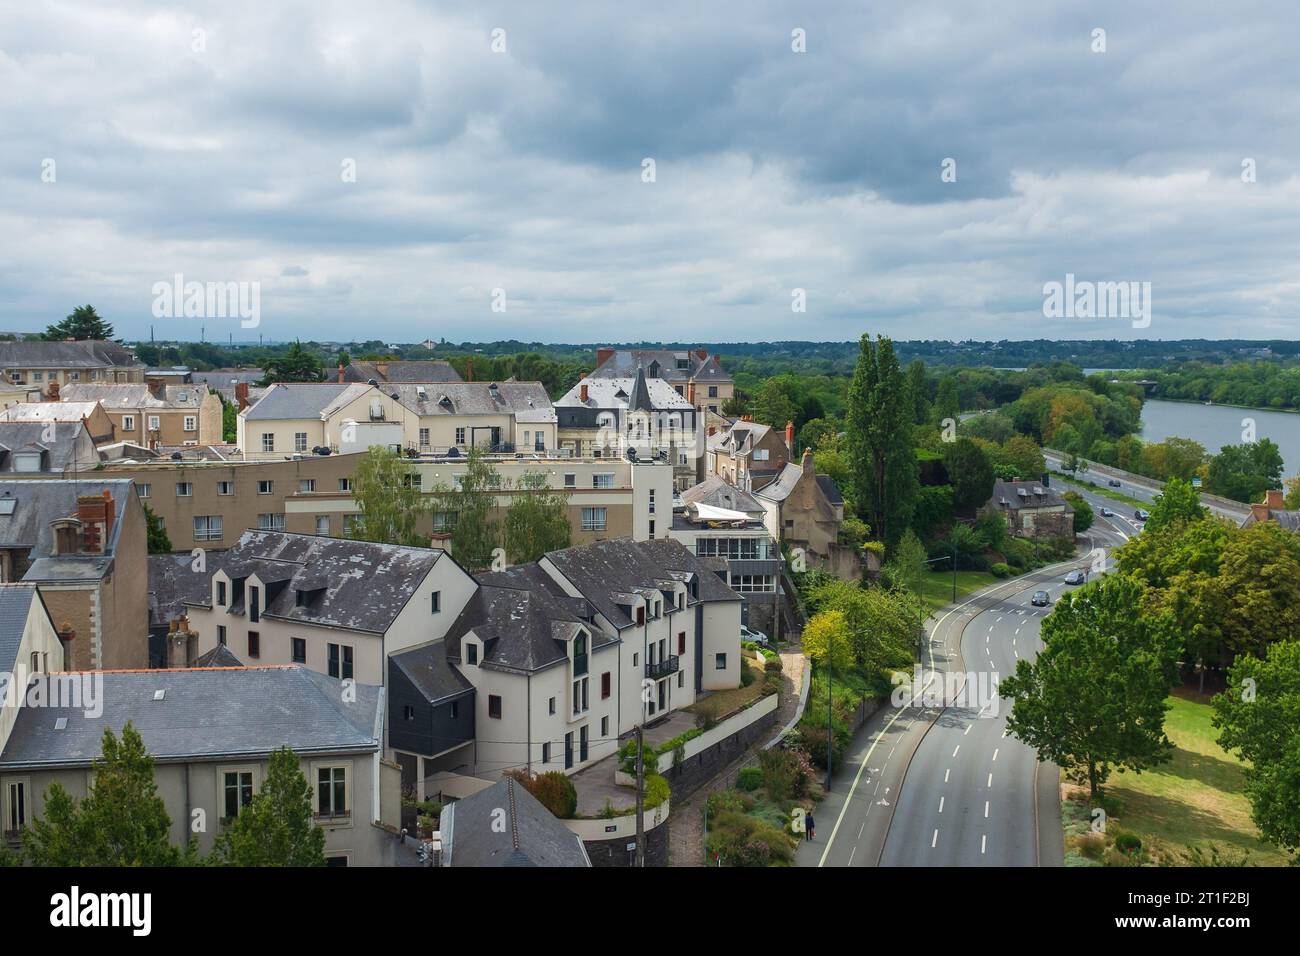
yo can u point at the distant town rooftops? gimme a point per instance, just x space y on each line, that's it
672 365
37 354
415 371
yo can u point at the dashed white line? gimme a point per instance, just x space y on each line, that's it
995 753
941 804
934 839
955 749
986 811
990 783
982 845
964 733
945 774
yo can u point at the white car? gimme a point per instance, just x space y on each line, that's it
757 637
1107 513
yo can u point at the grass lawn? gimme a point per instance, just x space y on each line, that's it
728 702
1106 492
936 589
1194 799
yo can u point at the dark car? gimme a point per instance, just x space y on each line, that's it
1141 515
1075 577
1114 483
1040 599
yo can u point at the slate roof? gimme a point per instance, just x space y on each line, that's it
624 363
363 585
219 656
48 412
523 618
616 393
1046 497
532 836
287 401
401 371
780 488
740 438
717 492
37 503
204 713
115 396
15 605
430 672
830 489
37 354
527 401
172 584
70 445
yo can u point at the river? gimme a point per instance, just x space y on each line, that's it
1217 425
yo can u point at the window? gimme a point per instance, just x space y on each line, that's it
265 487
270 522
191 424
424 438
225 487
580 699
634 659
332 791
184 489
128 422
471 653
306 485
593 519
652 529
254 605
155 423
453 709
17 815
299 441
435 601
345 484
221 634
681 678
143 490
412 480
570 480
604 685
681 642
713 391
340 661
760 454
550 706
602 480
494 706
349 523
268 441
460 436
604 726
298 646
238 792
207 527
323 525
408 712
640 616
221 594
254 644
444 520
652 501
36 376
720 661
546 752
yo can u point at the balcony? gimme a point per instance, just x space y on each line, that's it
665 668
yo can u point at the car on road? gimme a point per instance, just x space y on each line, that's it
1040 599
1141 515
1075 577
758 637
1107 513
1115 483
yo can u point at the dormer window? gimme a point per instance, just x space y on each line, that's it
640 616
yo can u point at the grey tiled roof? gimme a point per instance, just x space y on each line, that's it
1010 492
429 670
37 503
624 363
616 393
363 585
219 656
532 835
401 371
173 584
523 619
128 396
475 398
717 492
830 489
37 354
15 604
784 484
299 400
70 445
245 712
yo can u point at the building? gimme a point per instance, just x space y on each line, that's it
413 372
11 394
805 510
226 381
749 454
719 522
91 414
643 416
40 364
155 414
694 374
84 544
29 645
53 448
1273 508
336 606
1032 509
475 832
296 418
211 733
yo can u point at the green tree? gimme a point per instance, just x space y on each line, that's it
121 822
1259 718
918 392
1245 472
468 510
156 537
83 323
826 639
1083 516
1022 456
295 365
537 520
879 431
970 472
392 505
947 404
1179 502
906 567
276 828
773 404
1095 696
229 422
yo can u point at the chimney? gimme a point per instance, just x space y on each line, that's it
241 394
469 369
702 354
809 470
54 391
717 360
789 436
181 641
67 634
1259 511
1274 499
340 373
155 387
96 516
582 392
382 369
690 392
603 355
712 429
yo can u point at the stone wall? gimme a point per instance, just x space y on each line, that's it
702 767
615 852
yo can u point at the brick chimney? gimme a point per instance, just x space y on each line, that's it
155 387
702 354
582 393
241 395
603 355
789 436
67 634
181 642
1275 500
95 513
809 469
54 391
1260 511
340 373
469 369
690 392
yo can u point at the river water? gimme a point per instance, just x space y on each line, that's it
1217 425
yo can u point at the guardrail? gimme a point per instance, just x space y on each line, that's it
1154 485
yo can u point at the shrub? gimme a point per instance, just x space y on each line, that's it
748 841
1128 843
627 757
656 790
773 664
746 676
750 778
1092 846
728 801
1000 570
556 793
778 770
706 715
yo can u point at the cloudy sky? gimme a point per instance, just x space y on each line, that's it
217 141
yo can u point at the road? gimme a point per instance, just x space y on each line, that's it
932 785
1139 491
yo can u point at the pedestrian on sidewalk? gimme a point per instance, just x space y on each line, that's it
810 827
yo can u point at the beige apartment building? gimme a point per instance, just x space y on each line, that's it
155 414
39 364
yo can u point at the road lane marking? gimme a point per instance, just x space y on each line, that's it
945 774
982 843
955 749
941 804
990 783
934 839
986 809
995 753
855 850
964 733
